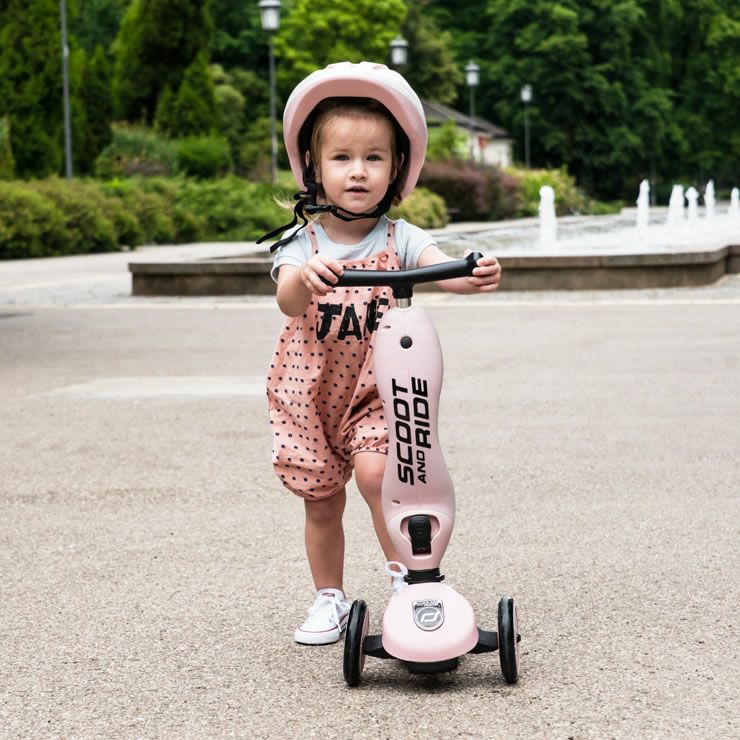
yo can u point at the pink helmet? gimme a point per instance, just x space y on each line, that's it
363 80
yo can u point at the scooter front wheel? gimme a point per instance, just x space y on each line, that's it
508 639
354 656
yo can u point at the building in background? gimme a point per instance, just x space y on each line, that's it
491 144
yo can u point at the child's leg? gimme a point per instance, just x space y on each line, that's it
325 540
369 469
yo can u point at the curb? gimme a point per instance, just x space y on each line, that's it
251 275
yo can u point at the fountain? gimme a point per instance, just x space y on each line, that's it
692 196
734 211
619 234
548 220
709 200
675 207
643 207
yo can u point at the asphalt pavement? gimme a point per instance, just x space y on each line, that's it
152 569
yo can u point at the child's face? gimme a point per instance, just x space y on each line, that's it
356 163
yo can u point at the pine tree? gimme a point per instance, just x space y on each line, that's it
96 23
194 109
7 163
158 40
97 102
164 120
31 84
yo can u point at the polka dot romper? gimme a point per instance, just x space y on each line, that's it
324 405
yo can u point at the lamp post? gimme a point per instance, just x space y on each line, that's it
472 78
270 13
399 51
65 90
526 94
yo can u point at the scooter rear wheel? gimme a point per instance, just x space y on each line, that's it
357 627
508 639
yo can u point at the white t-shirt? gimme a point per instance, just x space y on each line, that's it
410 242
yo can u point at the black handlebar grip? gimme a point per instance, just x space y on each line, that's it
408 278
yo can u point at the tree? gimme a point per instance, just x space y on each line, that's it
238 39
705 47
158 40
467 24
96 23
97 103
192 111
165 120
194 108
7 163
31 84
433 70
595 107
315 34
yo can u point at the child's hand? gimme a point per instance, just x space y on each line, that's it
317 267
487 275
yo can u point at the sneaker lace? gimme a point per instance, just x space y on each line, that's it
323 601
398 574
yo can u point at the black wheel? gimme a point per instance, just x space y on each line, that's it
508 639
354 657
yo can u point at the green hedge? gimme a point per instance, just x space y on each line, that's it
569 198
471 191
423 208
55 217
136 150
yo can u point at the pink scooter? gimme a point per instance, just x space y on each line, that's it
426 625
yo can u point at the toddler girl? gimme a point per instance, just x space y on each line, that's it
356 139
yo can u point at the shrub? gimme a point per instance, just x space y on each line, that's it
155 215
501 193
254 152
30 225
511 199
55 217
568 198
87 225
136 151
422 208
446 142
464 187
149 200
204 156
234 208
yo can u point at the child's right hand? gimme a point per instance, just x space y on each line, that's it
317 267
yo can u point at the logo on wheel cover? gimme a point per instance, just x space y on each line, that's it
428 614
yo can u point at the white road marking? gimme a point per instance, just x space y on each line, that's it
97 278
160 387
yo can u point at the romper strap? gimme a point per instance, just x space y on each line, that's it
313 238
390 244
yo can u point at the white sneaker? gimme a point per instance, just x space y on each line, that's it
397 574
327 619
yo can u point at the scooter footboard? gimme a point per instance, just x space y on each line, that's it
408 370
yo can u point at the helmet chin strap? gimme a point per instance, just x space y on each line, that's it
307 204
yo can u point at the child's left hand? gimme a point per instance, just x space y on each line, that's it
487 275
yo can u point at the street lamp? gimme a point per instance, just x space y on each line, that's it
270 12
471 80
399 51
65 92
526 94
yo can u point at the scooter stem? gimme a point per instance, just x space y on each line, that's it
418 497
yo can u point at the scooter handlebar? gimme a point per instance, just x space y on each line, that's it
406 279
